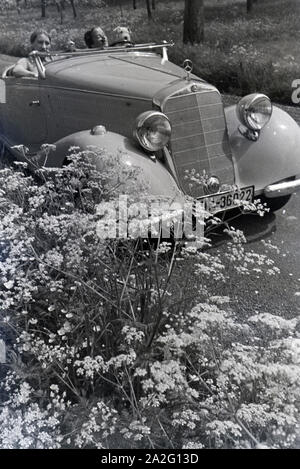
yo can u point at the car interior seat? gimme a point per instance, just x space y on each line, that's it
8 72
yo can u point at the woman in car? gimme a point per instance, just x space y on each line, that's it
40 41
95 38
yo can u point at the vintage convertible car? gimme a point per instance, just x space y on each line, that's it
169 123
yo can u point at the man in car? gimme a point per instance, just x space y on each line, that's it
40 41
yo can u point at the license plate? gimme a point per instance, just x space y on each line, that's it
227 200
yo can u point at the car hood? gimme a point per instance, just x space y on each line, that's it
132 74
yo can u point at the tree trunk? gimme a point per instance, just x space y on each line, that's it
193 27
149 13
153 5
43 6
60 10
74 9
134 4
249 5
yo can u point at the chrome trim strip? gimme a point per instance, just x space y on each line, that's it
282 188
173 90
77 90
87 52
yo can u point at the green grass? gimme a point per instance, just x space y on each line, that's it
241 53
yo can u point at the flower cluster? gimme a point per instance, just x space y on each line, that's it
126 343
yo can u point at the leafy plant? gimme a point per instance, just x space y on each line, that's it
112 344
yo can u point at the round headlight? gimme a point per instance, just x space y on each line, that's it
153 130
254 111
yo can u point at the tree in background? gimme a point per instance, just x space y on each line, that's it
60 4
149 13
193 28
63 6
43 7
149 5
250 5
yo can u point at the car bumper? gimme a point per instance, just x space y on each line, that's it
282 188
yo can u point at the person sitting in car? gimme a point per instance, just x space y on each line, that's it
95 38
40 41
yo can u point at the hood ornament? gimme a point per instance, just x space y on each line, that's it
188 67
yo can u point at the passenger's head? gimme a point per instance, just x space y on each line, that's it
40 40
95 38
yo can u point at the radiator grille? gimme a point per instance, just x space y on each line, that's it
199 141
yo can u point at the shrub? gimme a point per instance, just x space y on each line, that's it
112 345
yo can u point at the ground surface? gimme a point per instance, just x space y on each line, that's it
279 294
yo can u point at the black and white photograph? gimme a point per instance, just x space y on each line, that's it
149 227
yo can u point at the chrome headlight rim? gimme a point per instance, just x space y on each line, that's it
140 129
248 109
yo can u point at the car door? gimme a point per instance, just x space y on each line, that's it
23 114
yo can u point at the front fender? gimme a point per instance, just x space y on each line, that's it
158 180
273 157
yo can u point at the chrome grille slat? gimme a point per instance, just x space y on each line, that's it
199 139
